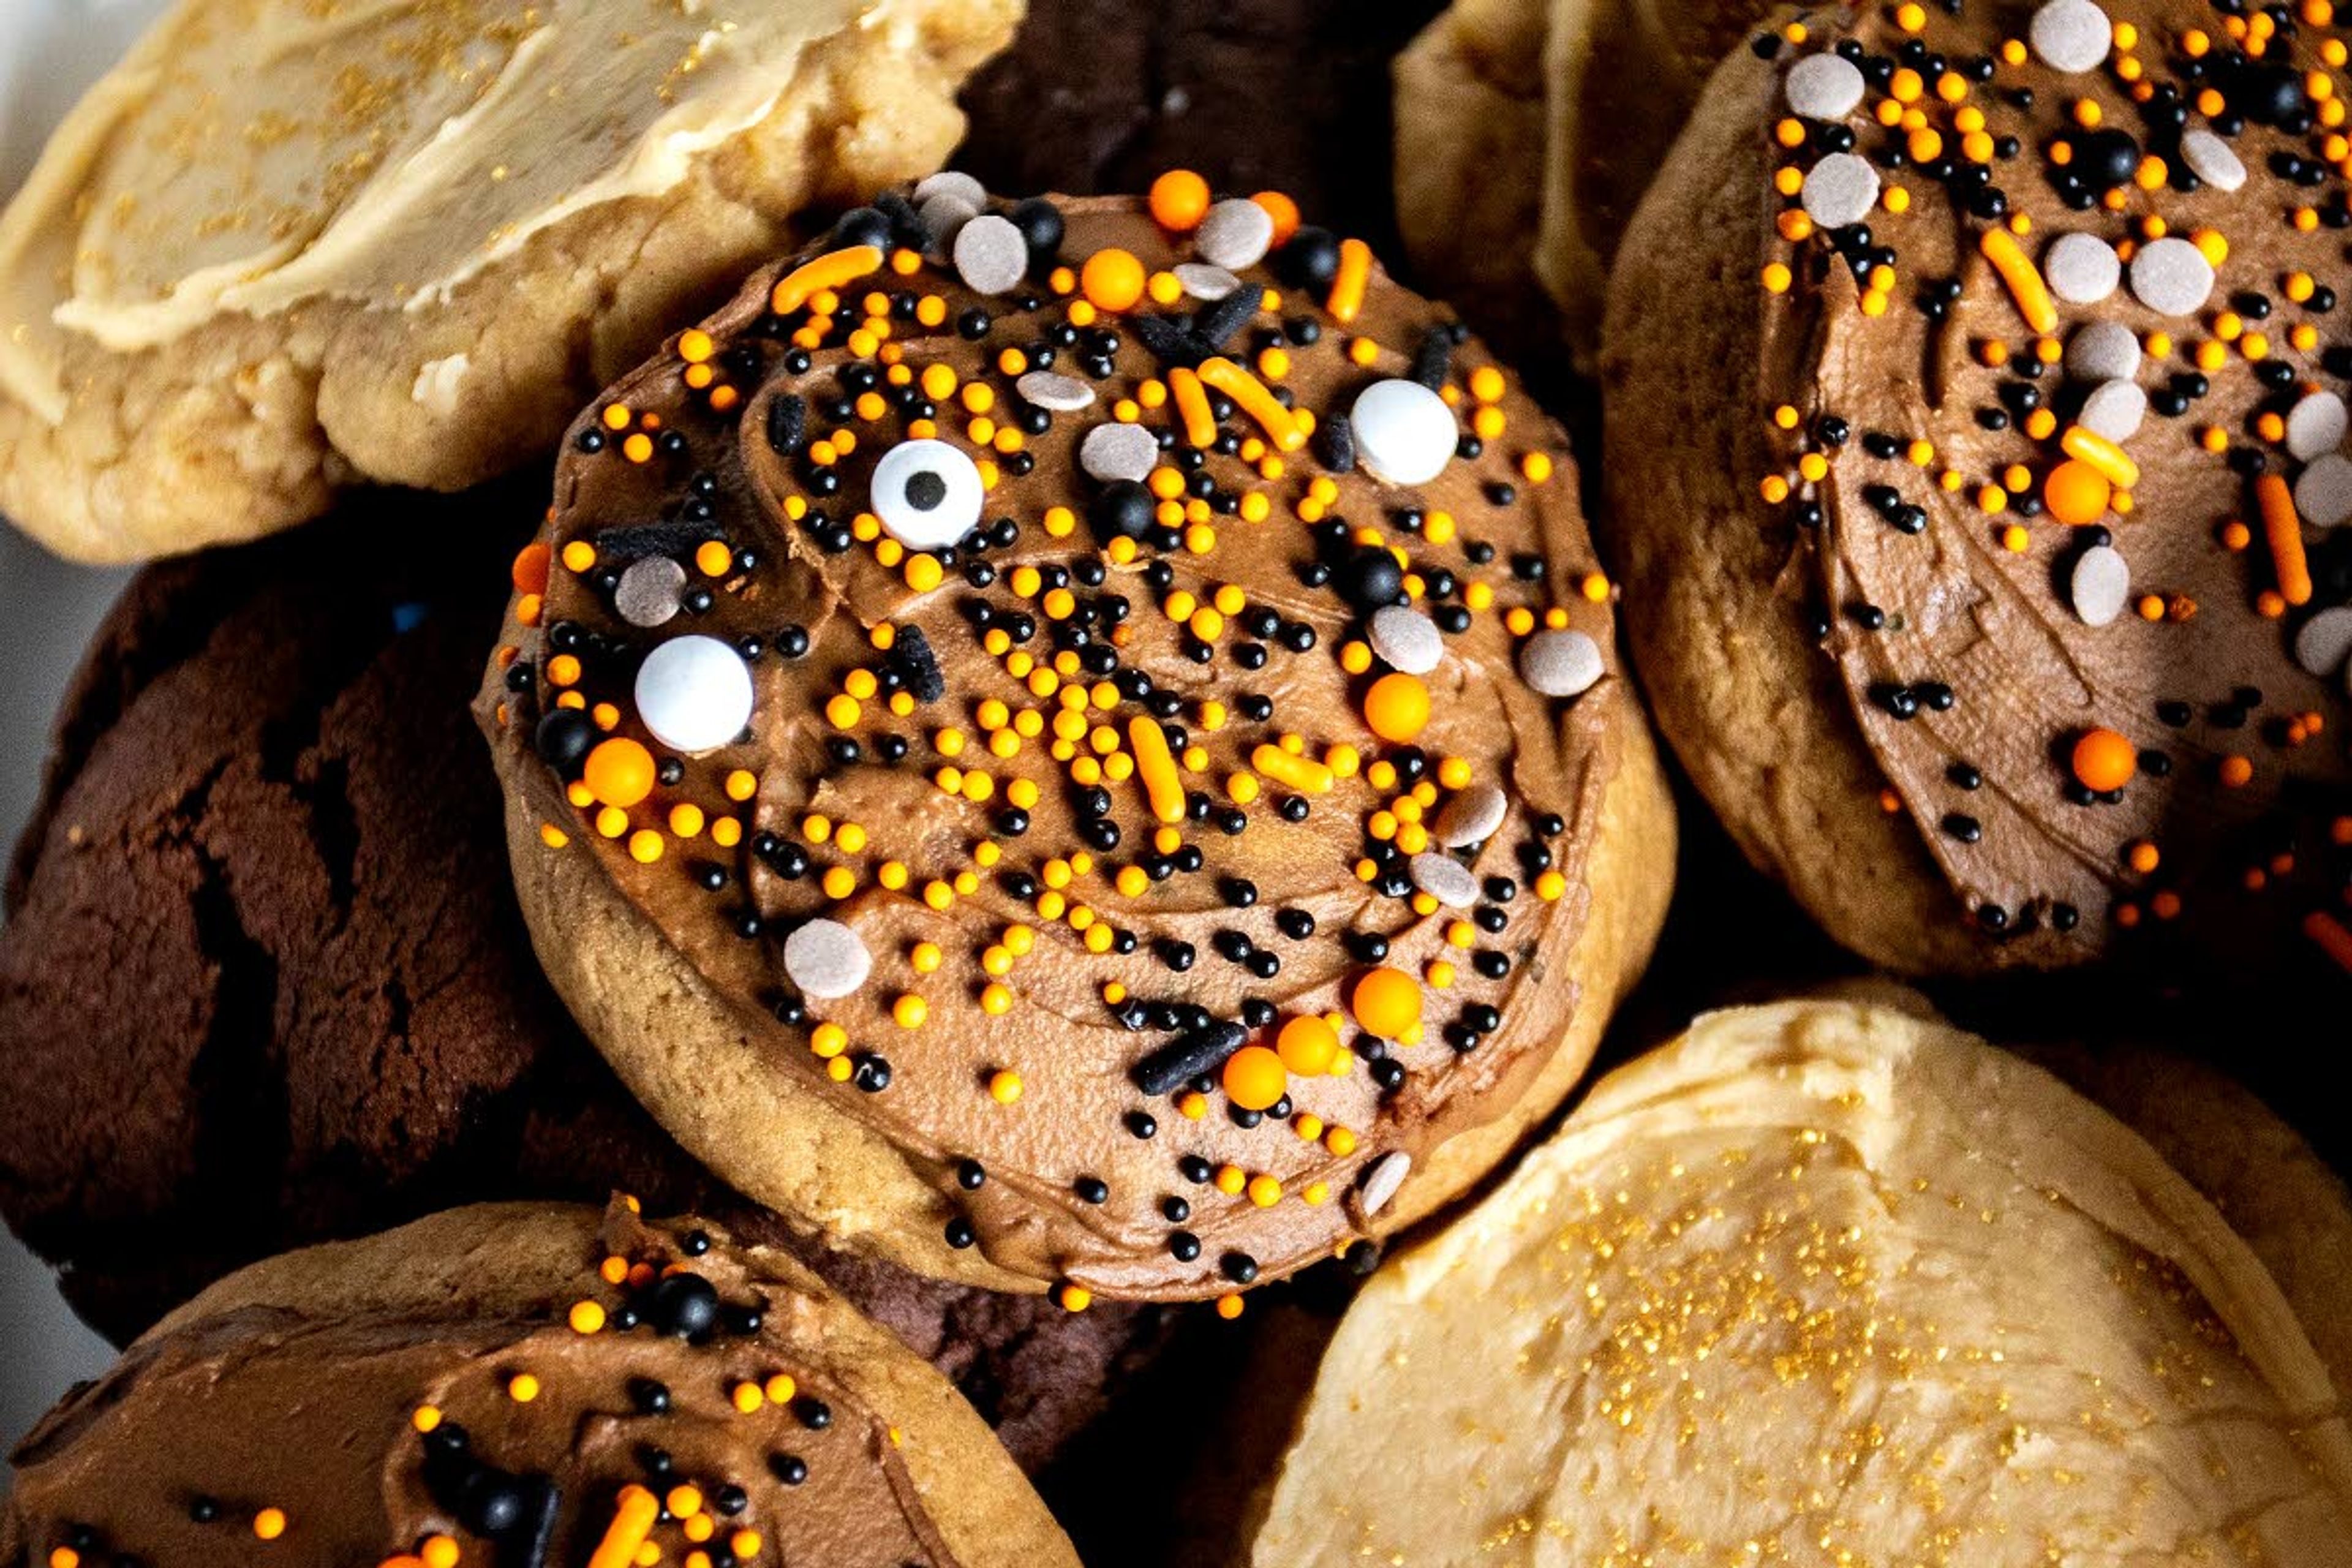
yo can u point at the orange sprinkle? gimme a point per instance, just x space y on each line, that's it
1179 200
2283 533
2329 933
1348 288
828 271
2104 761
2025 285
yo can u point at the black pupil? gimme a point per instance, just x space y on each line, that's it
925 490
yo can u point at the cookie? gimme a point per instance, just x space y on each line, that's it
995 782
1839 1280
1974 485
417 238
1527 132
237 904
530 1384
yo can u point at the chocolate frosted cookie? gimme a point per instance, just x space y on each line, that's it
522 1385
1079 743
263 981
1975 407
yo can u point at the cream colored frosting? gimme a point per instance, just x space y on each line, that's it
250 154
1824 1282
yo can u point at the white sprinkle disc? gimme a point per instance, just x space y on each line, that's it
951 182
1234 234
1203 281
2115 410
694 693
649 591
2324 641
943 217
2315 427
2104 350
1560 663
2211 159
1405 433
1114 451
1382 1178
2071 34
1471 816
1062 394
2323 494
2081 268
826 960
1824 87
2100 584
1839 191
1406 639
2171 277
991 256
1445 878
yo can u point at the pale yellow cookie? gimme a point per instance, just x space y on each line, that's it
1824 1281
283 247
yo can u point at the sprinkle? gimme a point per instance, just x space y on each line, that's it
1839 190
2323 642
1386 1002
2315 426
1560 663
1823 86
1382 1178
2081 268
1405 433
2098 586
634 1513
1471 816
991 256
927 494
270 1523
2071 36
1236 235
1112 452
1349 283
2109 459
828 271
1445 878
2024 283
2333 939
693 694
1203 281
2211 159
2171 276
2115 410
2103 760
1163 784
954 183
2103 351
1188 1056
825 959
1192 407
1255 401
1061 393
944 217
1406 639
650 591
1302 774
1397 708
2283 534
2323 494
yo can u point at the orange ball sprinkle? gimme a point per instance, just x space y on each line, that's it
1255 1078
1113 279
2077 493
619 772
1307 1046
1397 707
1179 200
2104 761
1282 211
1386 1002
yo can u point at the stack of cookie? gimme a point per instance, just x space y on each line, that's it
1060 780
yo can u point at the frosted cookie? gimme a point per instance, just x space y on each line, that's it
1824 1281
283 247
522 1385
1079 743
1974 400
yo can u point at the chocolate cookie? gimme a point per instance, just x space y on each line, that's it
264 984
1974 398
525 1385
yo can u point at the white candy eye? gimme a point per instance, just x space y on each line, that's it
927 494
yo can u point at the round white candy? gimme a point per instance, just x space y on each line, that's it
826 960
1840 190
2115 410
2324 641
1203 281
2103 351
1062 394
1560 663
943 217
2314 425
1112 452
2071 34
649 591
694 693
1405 433
1445 878
1236 233
2211 159
2081 268
991 256
955 183
1824 87
2323 494
2171 277
1471 816
2100 583
1406 639
927 494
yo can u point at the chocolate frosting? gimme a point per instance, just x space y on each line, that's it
1089 1179
1972 670
362 1436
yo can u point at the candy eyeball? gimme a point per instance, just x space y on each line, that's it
927 494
